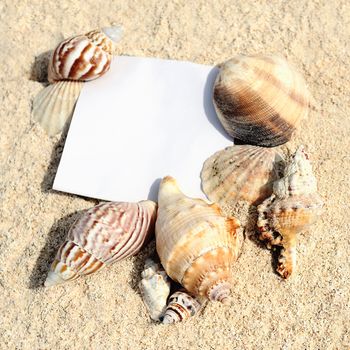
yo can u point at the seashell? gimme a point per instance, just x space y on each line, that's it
54 105
293 206
195 242
155 289
75 60
182 306
104 234
240 172
260 99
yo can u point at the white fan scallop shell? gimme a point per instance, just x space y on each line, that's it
57 100
240 172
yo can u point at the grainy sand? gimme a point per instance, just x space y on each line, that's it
105 311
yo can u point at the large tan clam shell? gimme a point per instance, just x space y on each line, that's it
260 99
293 206
240 172
195 242
104 234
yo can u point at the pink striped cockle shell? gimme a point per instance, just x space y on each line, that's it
104 234
84 57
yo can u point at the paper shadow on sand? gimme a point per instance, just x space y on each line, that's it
49 177
55 238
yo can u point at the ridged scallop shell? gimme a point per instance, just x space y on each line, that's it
240 172
155 289
104 234
260 99
181 306
195 242
75 60
293 206
54 105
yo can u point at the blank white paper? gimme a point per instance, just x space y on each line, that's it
145 119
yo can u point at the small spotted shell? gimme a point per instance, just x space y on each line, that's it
293 206
155 289
105 234
195 242
181 306
240 172
260 99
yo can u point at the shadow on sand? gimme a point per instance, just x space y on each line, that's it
55 238
38 70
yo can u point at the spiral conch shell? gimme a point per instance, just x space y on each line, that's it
195 243
105 234
155 289
75 60
260 99
240 172
182 306
293 206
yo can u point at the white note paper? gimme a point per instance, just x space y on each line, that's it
145 119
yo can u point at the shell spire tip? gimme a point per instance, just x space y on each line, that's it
53 279
220 292
115 33
168 319
168 186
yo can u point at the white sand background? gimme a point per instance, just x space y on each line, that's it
105 311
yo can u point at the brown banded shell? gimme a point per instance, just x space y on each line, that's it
240 172
182 306
74 61
260 99
195 242
155 289
104 234
293 206
83 57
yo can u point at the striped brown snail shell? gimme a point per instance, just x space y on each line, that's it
181 306
103 235
74 61
83 57
260 99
